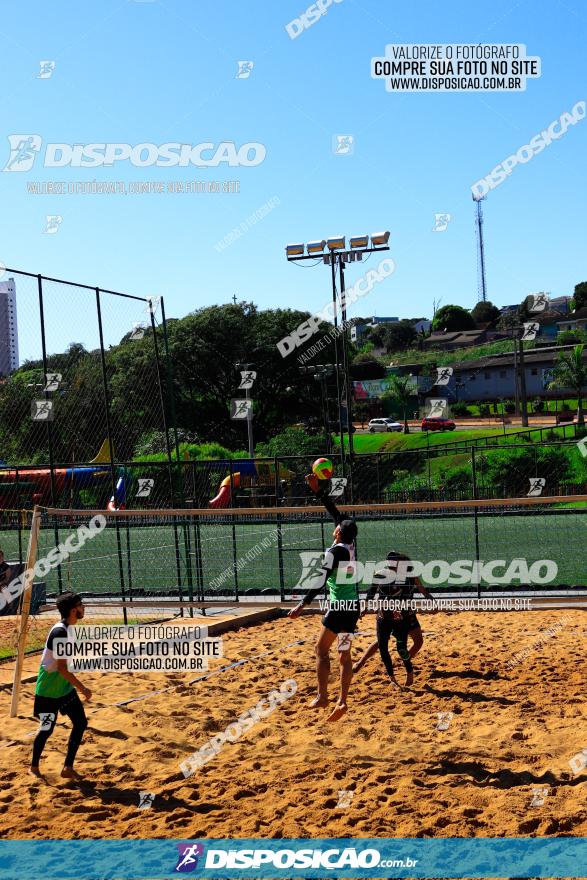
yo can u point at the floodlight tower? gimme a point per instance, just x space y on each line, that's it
481 283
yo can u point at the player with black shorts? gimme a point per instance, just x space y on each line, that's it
340 622
56 690
400 623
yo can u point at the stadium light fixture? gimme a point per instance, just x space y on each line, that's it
294 250
315 247
378 239
336 243
359 241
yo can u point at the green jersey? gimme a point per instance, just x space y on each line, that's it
50 683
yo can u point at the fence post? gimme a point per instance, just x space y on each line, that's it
475 512
170 472
49 426
109 434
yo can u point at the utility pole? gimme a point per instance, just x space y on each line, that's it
481 283
524 399
345 364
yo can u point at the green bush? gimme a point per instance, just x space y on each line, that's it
459 408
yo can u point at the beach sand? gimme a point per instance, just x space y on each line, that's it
386 769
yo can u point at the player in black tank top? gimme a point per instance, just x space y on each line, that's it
399 623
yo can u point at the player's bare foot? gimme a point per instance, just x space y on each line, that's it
34 771
70 773
319 703
395 682
409 679
338 711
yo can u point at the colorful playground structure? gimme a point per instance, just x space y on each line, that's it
250 474
26 486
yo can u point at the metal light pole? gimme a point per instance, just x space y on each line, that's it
336 251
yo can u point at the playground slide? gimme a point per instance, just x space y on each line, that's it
222 499
224 496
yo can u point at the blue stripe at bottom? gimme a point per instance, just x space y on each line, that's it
304 858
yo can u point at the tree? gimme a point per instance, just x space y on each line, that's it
485 313
579 296
453 318
570 371
399 336
400 389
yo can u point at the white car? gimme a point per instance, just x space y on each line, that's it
384 425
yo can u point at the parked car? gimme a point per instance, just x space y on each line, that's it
436 424
384 425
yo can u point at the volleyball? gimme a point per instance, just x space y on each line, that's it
323 468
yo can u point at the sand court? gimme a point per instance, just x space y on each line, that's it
480 746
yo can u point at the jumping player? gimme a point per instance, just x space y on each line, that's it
56 690
399 623
339 622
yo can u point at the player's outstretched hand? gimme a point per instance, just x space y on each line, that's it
313 483
295 612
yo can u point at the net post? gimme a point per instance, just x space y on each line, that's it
28 576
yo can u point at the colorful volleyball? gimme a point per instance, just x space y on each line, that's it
323 468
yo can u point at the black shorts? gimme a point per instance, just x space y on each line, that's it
405 623
341 621
56 704
410 620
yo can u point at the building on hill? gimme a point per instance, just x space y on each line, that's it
561 304
360 328
493 377
574 320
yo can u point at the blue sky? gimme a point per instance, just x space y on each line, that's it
158 72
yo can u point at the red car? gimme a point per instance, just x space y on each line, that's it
435 424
